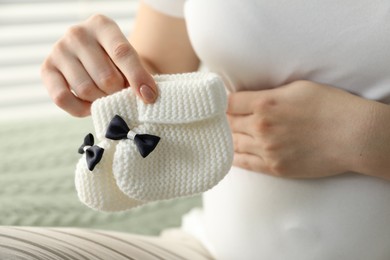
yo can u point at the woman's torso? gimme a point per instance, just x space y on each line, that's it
262 44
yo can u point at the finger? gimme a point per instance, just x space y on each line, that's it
250 162
79 80
245 144
241 124
125 58
248 102
240 103
101 69
60 93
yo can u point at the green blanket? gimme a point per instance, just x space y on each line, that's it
37 162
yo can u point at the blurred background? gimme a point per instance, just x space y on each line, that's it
28 29
38 141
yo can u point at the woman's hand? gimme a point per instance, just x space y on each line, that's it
302 129
92 60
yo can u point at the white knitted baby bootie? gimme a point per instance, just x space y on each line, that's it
94 180
179 146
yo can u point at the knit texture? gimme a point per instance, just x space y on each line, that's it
98 189
195 151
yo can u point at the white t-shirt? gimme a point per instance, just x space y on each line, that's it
258 44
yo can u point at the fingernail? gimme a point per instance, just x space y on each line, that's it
147 93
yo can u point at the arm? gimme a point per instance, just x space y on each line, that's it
94 59
162 42
309 130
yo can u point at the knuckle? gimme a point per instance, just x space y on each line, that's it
59 48
108 79
76 33
99 19
270 147
122 50
278 168
264 104
262 125
60 98
45 68
85 90
274 168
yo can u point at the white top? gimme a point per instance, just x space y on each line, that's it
257 44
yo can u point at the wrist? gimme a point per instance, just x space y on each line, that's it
356 120
360 136
374 156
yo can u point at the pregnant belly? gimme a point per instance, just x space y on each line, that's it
255 216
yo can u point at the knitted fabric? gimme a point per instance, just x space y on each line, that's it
98 190
195 151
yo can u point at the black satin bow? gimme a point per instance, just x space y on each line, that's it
118 130
94 153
